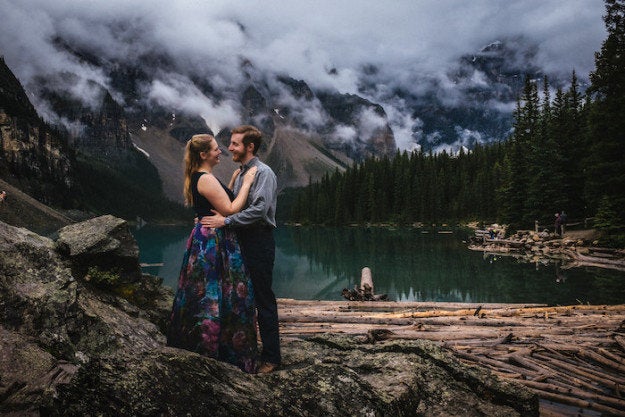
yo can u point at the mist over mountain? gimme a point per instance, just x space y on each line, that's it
328 84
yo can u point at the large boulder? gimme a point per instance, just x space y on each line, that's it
103 252
104 243
72 348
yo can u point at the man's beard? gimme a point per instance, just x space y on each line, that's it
238 157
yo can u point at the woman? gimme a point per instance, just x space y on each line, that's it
213 311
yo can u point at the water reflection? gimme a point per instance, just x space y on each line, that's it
407 264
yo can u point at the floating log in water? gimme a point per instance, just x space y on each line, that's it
571 356
613 260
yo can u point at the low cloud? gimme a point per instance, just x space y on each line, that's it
369 122
344 134
181 94
330 45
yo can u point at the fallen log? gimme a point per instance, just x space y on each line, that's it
620 340
619 404
505 367
401 305
577 368
597 261
602 360
506 242
584 404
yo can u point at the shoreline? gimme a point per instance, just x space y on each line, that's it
572 357
574 249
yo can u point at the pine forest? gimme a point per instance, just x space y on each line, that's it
566 152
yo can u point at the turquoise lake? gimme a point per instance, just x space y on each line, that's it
407 265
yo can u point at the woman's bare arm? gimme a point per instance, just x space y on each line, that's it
233 179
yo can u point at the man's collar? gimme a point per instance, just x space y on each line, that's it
250 163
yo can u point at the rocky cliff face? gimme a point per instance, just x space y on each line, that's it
89 166
100 131
77 343
375 134
33 157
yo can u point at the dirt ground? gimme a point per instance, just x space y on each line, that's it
587 234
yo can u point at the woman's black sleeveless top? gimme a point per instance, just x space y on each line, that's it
201 205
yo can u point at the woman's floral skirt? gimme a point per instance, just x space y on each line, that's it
213 312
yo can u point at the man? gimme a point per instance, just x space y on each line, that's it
563 221
254 226
558 225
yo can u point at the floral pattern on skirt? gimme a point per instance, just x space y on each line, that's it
213 312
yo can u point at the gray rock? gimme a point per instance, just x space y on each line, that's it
33 372
103 242
70 348
47 317
323 376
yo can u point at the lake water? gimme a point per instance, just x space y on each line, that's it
406 264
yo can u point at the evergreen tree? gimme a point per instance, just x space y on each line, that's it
520 161
605 166
572 150
544 185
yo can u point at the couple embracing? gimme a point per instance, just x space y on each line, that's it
225 280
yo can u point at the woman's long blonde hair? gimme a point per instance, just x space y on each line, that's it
192 161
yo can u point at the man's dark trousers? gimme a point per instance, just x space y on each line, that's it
258 248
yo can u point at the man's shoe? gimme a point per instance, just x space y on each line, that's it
267 367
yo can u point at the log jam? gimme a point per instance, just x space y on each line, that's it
573 357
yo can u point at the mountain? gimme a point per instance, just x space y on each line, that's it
297 148
473 100
135 121
99 170
33 156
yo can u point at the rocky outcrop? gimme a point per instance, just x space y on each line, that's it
72 347
100 128
323 376
348 109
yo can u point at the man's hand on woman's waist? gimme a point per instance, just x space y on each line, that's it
213 221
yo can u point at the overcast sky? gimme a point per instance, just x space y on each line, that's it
305 39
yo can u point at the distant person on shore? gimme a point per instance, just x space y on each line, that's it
3 196
213 309
254 226
563 219
558 225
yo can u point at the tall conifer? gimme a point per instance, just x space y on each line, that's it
606 164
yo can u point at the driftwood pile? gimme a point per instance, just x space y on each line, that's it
532 246
573 357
